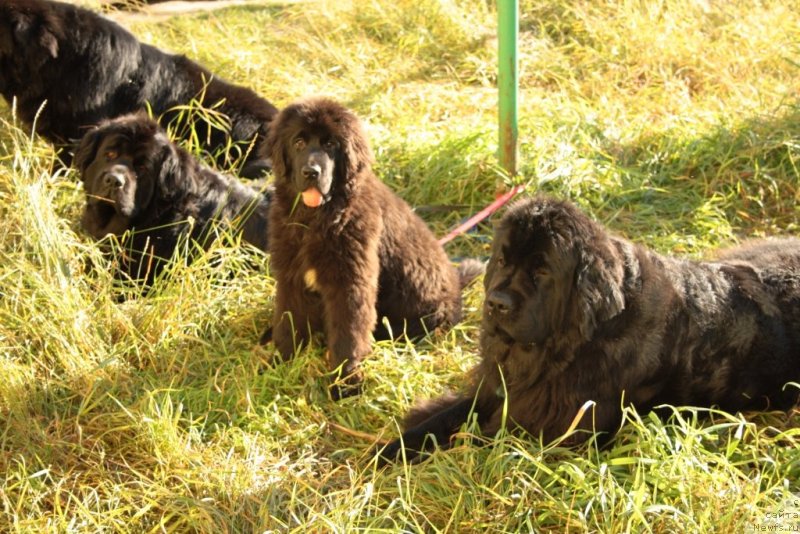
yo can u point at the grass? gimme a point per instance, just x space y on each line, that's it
676 123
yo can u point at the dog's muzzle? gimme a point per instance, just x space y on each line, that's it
500 303
114 180
311 173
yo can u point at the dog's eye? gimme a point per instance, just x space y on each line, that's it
111 155
299 143
330 145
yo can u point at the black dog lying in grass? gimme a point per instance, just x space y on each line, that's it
143 188
89 68
574 314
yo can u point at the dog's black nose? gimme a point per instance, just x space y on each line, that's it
311 172
114 180
500 302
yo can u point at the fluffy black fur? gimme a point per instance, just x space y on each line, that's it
143 187
88 68
573 313
360 255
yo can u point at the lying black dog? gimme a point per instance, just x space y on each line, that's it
88 68
141 186
574 314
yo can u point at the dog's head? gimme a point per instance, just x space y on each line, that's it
318 149
553 273
125 163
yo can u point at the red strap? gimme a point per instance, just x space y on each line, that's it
481 215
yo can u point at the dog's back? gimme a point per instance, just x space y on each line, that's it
731 335
766 253
222 198
50 49
417 281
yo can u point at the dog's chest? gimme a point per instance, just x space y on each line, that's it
310 280
309 252
308 261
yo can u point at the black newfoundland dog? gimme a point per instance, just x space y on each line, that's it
143 188
345 250
88 68
573 314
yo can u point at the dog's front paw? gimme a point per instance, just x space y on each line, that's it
347 383
346 386
266 337
347 378
398 451
341 390
390 452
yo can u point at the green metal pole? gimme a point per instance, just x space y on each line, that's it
508 81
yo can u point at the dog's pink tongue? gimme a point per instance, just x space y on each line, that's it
312 197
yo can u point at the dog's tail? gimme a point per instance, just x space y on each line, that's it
468 270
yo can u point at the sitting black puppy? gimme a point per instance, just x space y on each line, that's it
87 68
140 183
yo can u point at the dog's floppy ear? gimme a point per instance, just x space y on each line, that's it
27 30
87 150
168 165
275 149
356 149
599 289
49 42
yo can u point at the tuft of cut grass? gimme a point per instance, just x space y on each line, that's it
673 122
